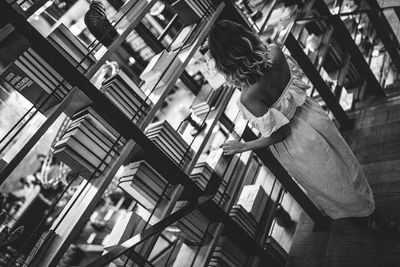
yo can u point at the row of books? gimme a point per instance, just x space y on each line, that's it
192 11
219 163
159 70
71 48
204 103
36 80
89 144
222 196
194 225
201 174
143 183
244 219
227 253
127 96
170 142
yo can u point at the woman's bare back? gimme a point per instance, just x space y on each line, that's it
259 97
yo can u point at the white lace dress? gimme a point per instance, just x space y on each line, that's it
314 152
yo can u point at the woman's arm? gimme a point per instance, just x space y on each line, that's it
235 146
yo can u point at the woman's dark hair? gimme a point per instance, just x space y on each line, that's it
238 53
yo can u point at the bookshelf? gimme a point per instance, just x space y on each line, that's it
189 202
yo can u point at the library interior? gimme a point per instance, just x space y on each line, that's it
113 114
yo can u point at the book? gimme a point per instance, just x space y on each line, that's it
90 124
95 148
128 88
226 253
39 69
89 143
163 77
19 78
101 125
202 96
253 199
194 224
42 80
143 183
157 65
71 48
244 219
65 87
171 142
201 174
139 195
171 138
94 135
83 151
76 162
149 176
118 102
182 36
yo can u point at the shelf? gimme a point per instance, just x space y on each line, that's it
118 120
185 189
116 44
185 57
214 213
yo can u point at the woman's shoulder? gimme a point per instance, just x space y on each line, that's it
276 54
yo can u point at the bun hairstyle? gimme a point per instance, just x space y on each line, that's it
238 53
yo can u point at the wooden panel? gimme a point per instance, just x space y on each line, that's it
382 172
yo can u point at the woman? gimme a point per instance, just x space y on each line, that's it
294 126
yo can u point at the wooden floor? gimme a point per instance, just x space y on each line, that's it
376 143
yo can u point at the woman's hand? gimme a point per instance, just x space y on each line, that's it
233 147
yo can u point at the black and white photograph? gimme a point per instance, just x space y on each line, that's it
199 133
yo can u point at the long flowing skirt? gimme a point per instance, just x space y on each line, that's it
319 159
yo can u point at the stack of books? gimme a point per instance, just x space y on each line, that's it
211 101
159 70
254 200
170 142
226 253
201 174
35 79
194 225
127 96
143 183
71 48
89 144
192 11
244 219
221 196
